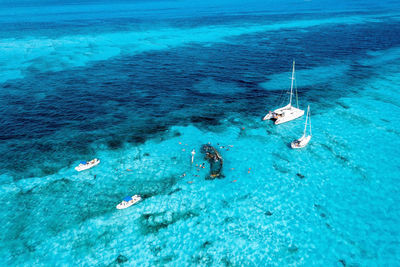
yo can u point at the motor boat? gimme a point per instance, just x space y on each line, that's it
84 165
129 201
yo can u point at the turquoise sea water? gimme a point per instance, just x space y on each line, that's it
140 84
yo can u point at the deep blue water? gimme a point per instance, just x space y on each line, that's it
133 82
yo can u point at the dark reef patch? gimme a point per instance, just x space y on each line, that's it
202 259
327 148
343 262
137 139
174 191
59 186
164 260
227 262
204 120
293 248
280 168
206 244
176 134
228 220
48 170
154 222
279 156
225 204
342 105
268 213
342 158
115 144
393 131
121 259
158 187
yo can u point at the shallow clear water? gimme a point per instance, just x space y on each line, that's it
140 90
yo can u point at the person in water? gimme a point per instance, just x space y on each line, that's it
193 153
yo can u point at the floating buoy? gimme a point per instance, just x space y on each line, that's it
129 170
234 181
183 149
190 182
248 172
232 168
180 143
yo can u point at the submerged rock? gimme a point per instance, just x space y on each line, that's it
206 244
215 160
268 213
121 259
293 248
343 262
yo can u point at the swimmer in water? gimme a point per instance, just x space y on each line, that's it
193 153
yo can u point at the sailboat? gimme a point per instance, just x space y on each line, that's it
303 141
288 112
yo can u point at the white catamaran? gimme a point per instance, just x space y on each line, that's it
288 112
303 141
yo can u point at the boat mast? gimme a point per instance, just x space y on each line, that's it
291 86
310 121
305 126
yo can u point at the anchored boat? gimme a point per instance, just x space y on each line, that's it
84 165
303 141
129 201
288 112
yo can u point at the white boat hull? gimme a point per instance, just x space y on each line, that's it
90 164
127 204
290 115
302 142
267 117
285 114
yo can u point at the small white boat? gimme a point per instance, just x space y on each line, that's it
288 112
84 165
129 201
303 141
